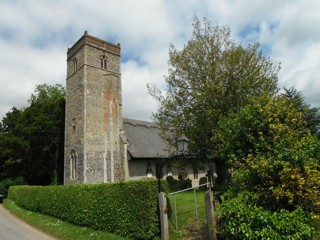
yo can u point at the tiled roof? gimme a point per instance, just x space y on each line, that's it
144 139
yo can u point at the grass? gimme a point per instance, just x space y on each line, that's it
188 225
57 228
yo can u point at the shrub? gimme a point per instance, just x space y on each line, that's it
171 182
5 184
177 185
240 220
128 209
203 180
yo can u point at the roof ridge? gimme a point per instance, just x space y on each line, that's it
136 122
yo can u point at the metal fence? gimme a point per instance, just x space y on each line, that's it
195 202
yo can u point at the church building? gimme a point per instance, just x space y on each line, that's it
101 145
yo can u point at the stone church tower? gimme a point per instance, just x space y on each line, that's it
95 150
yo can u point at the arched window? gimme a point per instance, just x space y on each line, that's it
75 64
149 170
73 164
103 62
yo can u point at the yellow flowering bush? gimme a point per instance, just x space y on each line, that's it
273 154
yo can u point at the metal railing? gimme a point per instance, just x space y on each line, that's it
195 202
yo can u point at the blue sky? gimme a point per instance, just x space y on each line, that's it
35 35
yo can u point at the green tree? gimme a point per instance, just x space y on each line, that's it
13 145
311 115
210 77
273 154
31 142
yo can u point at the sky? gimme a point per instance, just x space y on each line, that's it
35 36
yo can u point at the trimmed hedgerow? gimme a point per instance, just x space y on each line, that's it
128 209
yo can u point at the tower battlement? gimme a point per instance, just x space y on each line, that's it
87 39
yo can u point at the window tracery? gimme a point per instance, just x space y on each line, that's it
103 62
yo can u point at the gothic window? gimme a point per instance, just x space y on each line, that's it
73 164
149 170
75 65
103 62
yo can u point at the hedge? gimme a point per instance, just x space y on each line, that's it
177 185
242 220
7 183
128 209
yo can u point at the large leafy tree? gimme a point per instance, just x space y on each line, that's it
210 77
273 154
31 142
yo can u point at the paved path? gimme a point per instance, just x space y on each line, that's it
12 228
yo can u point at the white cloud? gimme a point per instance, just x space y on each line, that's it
35 35
137 101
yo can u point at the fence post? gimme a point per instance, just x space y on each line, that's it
211 219
175 211
195 204
163 210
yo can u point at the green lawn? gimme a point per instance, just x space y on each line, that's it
57 228
187 223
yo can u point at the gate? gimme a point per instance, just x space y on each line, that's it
188 217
